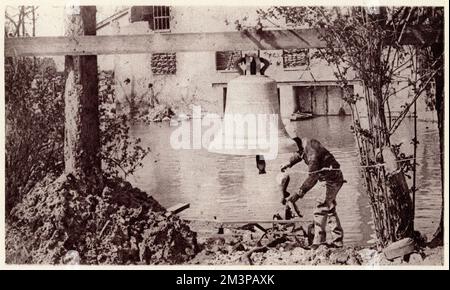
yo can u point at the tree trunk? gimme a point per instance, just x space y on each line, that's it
388 192
82 124
437 50
400 207
391 204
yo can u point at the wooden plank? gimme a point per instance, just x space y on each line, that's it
264 221
252 221
239 234
182 42
170 42
129 44
179 207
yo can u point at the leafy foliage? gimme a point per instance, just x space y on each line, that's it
35 127
121 154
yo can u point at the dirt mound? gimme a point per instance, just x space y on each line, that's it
123 225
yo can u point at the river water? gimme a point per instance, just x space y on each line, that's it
229 187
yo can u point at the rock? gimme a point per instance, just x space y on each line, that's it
71 258
415 258
367 254
247 238
353 261
377 260
239 247
399 249
342 258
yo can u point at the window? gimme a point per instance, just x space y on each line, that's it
141 13
225 60
296 58
164 63
158 17
161 18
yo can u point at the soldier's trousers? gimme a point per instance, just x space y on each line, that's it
326 211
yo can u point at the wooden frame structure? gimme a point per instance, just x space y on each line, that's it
183 42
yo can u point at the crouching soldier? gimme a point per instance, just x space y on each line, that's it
322 167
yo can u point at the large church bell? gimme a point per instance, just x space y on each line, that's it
252 123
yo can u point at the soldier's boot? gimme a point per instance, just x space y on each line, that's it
320 222
337 232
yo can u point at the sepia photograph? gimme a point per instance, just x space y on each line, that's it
169 133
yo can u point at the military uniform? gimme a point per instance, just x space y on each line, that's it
319 158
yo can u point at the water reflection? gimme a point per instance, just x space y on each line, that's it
229 187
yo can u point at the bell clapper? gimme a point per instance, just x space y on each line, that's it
261 164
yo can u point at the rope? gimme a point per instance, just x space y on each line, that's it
367 166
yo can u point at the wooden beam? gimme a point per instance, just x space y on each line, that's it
170 42
184 42
250 221
179 207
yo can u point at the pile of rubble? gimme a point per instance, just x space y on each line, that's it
247 246
60 221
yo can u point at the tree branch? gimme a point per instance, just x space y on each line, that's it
405 111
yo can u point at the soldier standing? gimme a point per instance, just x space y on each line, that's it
322 167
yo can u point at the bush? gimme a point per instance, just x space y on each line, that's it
35 127
121 154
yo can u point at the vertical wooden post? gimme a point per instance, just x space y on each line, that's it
22 12
82 124
33 19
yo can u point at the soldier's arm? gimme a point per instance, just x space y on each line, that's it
295 158
313 176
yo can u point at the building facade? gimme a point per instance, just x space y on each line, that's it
185 78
